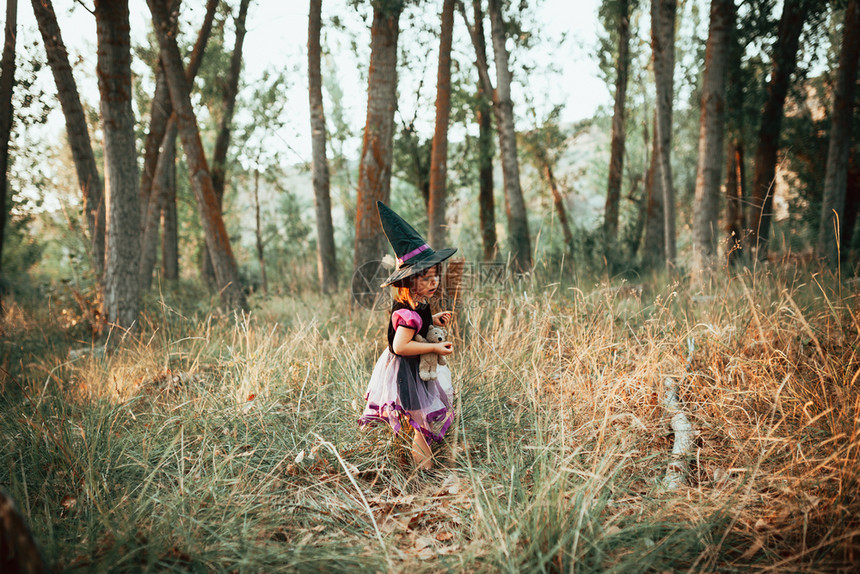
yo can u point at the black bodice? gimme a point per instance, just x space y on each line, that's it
423 309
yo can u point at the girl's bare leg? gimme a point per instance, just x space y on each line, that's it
421 453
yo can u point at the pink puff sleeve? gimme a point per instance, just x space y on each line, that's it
406 318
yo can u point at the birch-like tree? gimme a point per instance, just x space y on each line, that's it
439 150
122 289
711 130
374 168
326 254
89 180
836 178
217 241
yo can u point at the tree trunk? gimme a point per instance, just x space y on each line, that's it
89 180
7 83
663 50
616 159
852 203
654 253
155 206
518 225
164 172
486 199
711 130
260 257
122 289
735 184
326 252
836 178
228 105
161 109
558 202
374 170
217 240
170 237
784 62
439 152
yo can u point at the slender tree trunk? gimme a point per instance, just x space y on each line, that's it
228 105
374 170
217 240
164 125
161 109
439 152
711 131
518 225
170 238
155 206
654 253
486 198
558 202
663 49
783 65
260 257
7 83
836 178
326 253
122 290
735 183
159 112
616 159
89 180
852 203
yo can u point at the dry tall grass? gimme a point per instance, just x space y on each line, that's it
230 443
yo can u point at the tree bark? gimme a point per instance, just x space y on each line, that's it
616 159
711 132
735 186
374 170
259 227
326 252
217 240
654 253
836 178
439 151
7 83
122 289
155 206
663 50
783 65
89 180
170 238
164 125
486 198
558 202
161 109
518 225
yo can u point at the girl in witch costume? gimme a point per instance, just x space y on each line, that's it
396 394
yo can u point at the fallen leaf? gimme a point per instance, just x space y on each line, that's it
68 502
300 457
252 396
444 536
423 542
427 554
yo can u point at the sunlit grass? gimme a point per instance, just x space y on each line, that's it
229 442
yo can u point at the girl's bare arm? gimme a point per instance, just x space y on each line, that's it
405 346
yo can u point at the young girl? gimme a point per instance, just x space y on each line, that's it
395 390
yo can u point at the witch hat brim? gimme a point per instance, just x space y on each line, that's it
414 255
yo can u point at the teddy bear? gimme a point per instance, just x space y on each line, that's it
427 365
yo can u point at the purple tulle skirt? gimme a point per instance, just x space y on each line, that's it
396 395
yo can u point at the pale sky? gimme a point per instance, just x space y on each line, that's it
277 37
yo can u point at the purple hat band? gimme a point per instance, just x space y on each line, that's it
411 254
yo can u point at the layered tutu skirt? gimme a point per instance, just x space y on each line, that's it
396 395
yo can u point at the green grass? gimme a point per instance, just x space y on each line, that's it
177 449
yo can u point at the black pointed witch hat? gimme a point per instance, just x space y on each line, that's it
414 255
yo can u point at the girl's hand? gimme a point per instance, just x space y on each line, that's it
444 348
442 318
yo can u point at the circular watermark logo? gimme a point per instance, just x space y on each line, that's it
365 286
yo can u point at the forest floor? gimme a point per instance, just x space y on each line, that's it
216 442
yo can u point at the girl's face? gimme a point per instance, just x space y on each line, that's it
425 285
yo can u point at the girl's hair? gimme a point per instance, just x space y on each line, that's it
402 289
